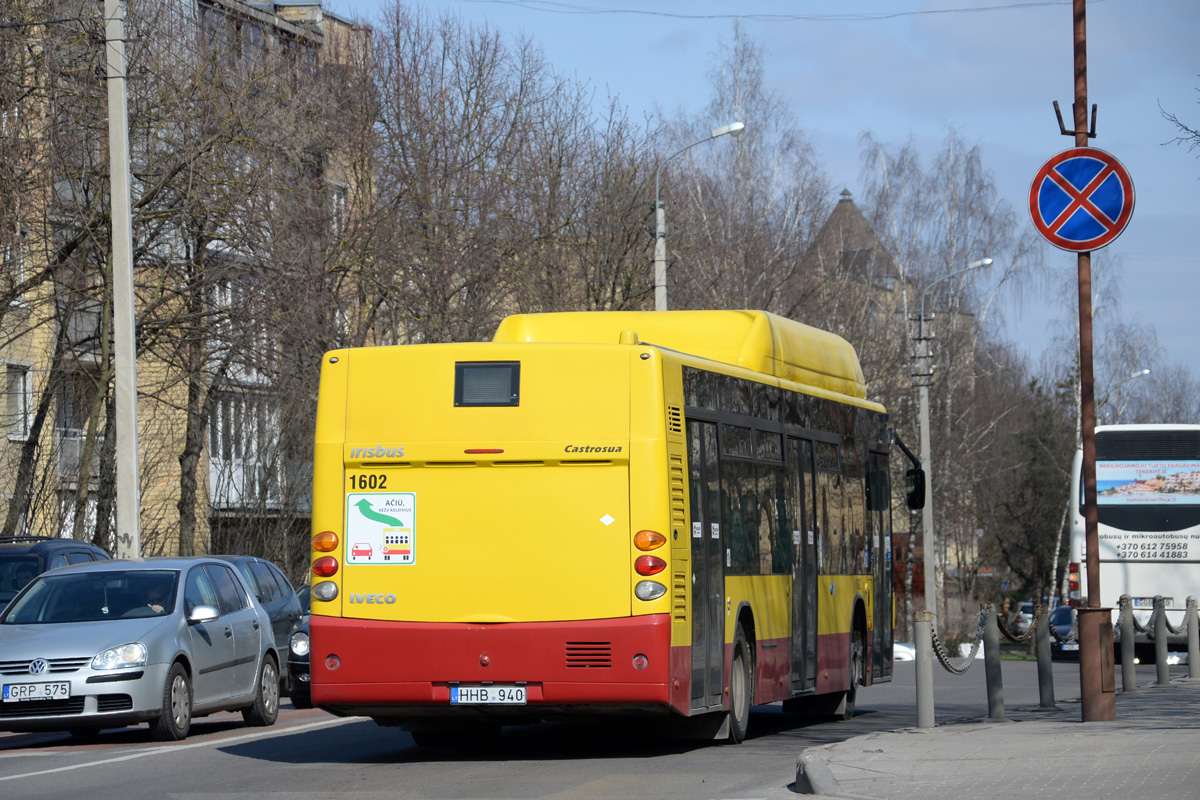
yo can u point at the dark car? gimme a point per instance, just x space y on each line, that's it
298 656
1063 620
22 558
275 594
298 667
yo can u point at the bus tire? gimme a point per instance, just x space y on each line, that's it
741 687
858 657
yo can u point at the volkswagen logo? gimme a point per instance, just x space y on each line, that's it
38 666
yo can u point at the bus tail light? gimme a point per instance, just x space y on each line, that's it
325 542
1073 584
649 565
325 567
649 590
649 540
325 591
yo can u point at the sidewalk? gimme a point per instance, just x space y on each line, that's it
1151 751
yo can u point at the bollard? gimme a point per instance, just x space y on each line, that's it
991 664
1160 641
1193 634
924 631
1045 664
1128 668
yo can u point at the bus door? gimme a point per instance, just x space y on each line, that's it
708 578
804 565
879 519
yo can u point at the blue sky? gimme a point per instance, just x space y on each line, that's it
914 68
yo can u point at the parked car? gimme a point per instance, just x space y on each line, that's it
1023 618
298 667
22 558
298 648
117 643
274 593
904 651
1062 619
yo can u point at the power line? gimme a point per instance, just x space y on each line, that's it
552 7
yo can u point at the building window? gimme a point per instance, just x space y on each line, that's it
337 210
18 400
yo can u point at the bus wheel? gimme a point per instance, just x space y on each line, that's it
858 656
740 688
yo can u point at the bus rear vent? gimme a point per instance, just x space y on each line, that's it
589 655
675 420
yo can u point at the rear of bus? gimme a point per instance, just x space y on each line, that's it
476 519
1148 511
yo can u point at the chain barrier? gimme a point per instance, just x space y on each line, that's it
939 649
1161 608
1071 635
1137 626
1002 624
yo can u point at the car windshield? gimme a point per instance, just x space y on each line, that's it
94 596
16 570
1061 616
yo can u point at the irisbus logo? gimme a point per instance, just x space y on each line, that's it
378 451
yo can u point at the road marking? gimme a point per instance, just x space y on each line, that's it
171 748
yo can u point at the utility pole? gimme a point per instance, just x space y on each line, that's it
1097 679
129 540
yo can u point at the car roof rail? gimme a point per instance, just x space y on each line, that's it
24 537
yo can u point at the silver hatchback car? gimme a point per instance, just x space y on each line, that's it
117 643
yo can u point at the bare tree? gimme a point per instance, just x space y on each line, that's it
742 213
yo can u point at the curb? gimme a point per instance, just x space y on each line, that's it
813 776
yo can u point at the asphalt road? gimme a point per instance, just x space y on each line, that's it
311 754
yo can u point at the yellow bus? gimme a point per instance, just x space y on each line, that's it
674 514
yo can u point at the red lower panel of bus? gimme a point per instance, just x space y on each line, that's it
588 662
833 662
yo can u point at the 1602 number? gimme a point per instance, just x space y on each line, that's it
368 482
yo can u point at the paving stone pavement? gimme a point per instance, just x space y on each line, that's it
1151 751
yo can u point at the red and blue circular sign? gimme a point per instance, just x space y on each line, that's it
1081 199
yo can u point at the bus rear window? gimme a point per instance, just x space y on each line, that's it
487 383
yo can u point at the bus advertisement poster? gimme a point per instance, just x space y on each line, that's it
1147 482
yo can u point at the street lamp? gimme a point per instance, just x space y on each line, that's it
924 374
660 232
1103 405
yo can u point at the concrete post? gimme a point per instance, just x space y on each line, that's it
1163 672
991 663
1193 634
924 637
1128 667
1044 663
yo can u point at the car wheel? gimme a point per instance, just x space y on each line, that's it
740 688
301 698
175 718
266 699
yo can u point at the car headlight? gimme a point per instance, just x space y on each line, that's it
120 657
300 643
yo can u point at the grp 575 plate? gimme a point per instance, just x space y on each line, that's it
487 695
16 692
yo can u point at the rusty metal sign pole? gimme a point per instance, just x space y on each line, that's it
1097 680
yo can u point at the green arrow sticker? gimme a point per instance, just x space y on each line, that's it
364 508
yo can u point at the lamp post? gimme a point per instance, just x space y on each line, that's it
660 231
924 376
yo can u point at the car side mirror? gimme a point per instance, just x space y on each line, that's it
914 488
202 614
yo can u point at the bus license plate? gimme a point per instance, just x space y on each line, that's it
487 695
16 692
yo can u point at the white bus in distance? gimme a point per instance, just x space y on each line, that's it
1148 503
